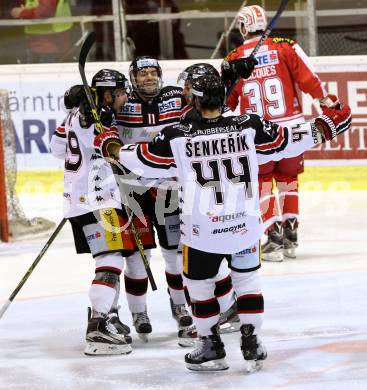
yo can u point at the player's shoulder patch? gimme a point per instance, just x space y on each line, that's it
230 54
282 40
185 127
240 119
170 91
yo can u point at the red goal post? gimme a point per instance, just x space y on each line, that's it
4 226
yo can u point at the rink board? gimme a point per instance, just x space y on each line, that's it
36 95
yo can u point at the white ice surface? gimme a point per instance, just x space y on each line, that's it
315 327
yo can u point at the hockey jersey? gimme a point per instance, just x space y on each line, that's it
141 121
216 163
270 92
89 183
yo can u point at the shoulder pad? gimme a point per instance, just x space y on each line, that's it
281 40
171 91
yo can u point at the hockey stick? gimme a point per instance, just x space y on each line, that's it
32 267
87 45
264 35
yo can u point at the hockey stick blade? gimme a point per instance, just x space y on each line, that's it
32 267
265 34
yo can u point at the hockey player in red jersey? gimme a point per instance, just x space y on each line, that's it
270 91
216 163
92 204
151 107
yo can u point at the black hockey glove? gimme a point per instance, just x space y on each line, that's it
73 96
105 114
240 67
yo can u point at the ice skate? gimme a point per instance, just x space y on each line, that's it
142 325
114 319
252 349
209 354
290 241
187 335
104 339
272 250
229 321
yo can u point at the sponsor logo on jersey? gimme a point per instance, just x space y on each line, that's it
248 251
196 230
288 40
226 217
241 228
168 105
267 58
132 108
93 236
172 93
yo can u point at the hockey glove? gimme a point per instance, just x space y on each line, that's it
333 121
329 101
240 67
108 144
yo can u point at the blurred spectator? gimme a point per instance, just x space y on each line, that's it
45 42
144 34
12 37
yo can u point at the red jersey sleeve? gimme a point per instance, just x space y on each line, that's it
302 70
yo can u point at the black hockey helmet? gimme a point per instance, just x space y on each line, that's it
73 96
138 64
195 71
108 79
208 91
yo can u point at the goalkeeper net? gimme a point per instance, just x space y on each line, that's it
14 224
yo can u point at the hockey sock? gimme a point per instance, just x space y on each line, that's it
250 301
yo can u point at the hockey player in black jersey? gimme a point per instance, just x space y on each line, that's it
216 162
149 109
229 320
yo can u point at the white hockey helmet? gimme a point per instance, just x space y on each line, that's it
251 19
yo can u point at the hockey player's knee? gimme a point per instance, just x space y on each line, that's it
136 287
170 258
135 267
246 282
223 286
111 261
106 277
174 281
205 309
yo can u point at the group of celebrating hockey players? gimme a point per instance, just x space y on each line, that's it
194 176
